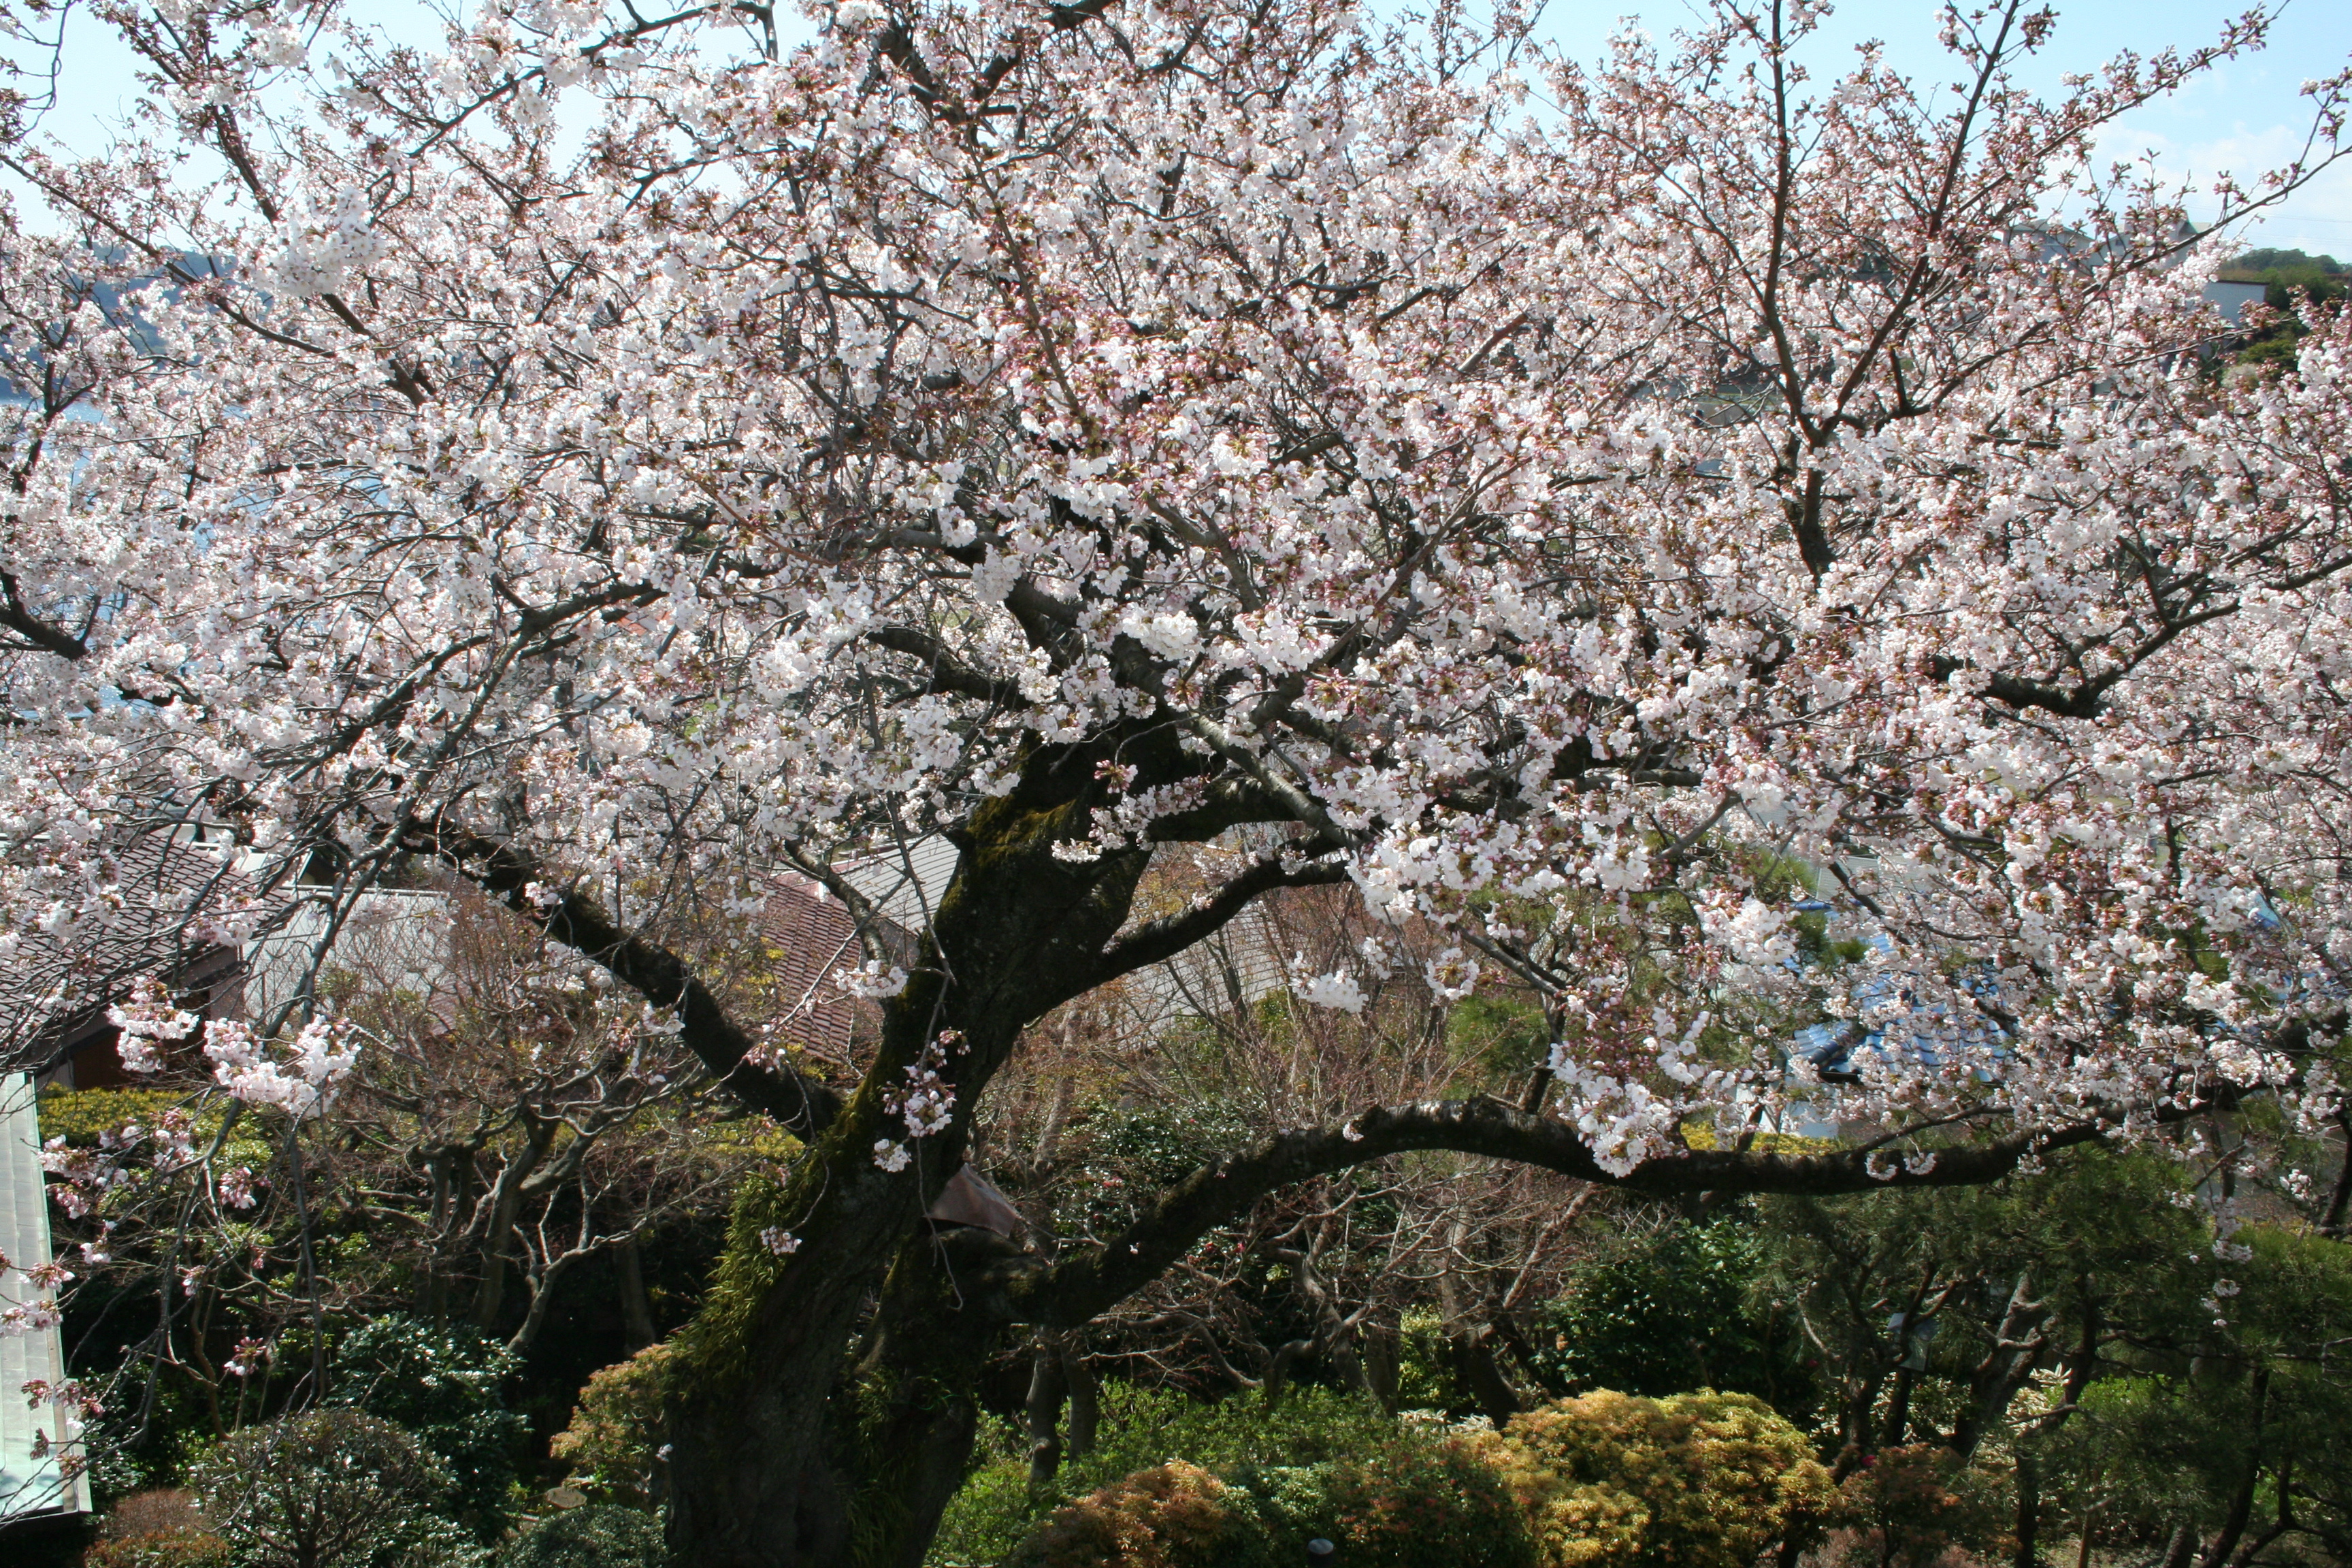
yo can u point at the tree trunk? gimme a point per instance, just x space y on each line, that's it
1278 1372
636 1307
1044 1413
1532 1365
1086 1396
1898 1409
2242 1504
1379 1343
1471 1349
827 1400
2019 1345
505 1203
1857 1423
2027 1552
2339 1203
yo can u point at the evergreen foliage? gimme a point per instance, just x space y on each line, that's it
330 1488
445 1384
596 1536
1676 1311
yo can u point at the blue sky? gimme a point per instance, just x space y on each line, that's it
2245 117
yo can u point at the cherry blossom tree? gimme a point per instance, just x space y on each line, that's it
617 456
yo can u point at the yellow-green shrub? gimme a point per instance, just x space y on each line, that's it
1697 1481
1171 1516
609 1447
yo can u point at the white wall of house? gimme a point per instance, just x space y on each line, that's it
31 1483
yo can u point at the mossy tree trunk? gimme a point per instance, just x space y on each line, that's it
831 1398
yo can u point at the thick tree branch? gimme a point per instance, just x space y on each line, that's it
1091 1281
1171 934
513 877
948 673
16 617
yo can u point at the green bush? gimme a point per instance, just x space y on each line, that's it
1408 1504
1699 1480
330 1488
989 1515
596 1536
1127 1154
1142 1427
445 1384
1175 1481
1666 1314
609 1449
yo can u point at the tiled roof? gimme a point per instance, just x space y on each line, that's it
811 939
166 887
907 884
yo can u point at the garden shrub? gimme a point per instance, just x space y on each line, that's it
1664 1313
609 1449
1911 1505
1174 1515
1240 1483
445 1384
1141 1427
595 1536
991 1513
152 1512
330 1488
1406 1505
1697 1481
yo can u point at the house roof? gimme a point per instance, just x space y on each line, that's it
906 883
169 896
812 940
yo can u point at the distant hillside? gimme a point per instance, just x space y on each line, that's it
2274 266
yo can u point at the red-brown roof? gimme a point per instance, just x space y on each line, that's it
811 941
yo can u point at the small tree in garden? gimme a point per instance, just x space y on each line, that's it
613 463
613 1447
332 1489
